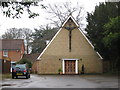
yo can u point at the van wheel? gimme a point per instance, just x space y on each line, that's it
16 76
12 76
27 76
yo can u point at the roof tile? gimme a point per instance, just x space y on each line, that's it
12 44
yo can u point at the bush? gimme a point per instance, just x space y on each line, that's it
59 70
25 61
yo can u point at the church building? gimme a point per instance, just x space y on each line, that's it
69 52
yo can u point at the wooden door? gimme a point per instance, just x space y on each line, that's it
69 66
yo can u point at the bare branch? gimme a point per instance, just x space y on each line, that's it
59 12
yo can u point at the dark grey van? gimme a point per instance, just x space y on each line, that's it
21 70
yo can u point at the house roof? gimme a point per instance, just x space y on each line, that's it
70 16
31 57
12 44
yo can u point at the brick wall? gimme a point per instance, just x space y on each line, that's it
14 55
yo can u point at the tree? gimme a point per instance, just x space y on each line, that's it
59 12
21 33
111 40
40 36
96 21
102 30
15 9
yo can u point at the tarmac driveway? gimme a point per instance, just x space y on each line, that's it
62 81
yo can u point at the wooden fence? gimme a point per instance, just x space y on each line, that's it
6 65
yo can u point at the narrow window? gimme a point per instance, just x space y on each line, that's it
5 53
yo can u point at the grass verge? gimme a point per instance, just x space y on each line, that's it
0 76
4 76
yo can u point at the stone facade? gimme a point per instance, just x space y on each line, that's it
53 56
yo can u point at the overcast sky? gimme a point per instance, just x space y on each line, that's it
6 23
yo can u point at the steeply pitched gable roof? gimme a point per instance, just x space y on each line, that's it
14 44
31 57
70 17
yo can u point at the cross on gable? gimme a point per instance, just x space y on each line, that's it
70 26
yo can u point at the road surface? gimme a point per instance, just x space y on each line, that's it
62 81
